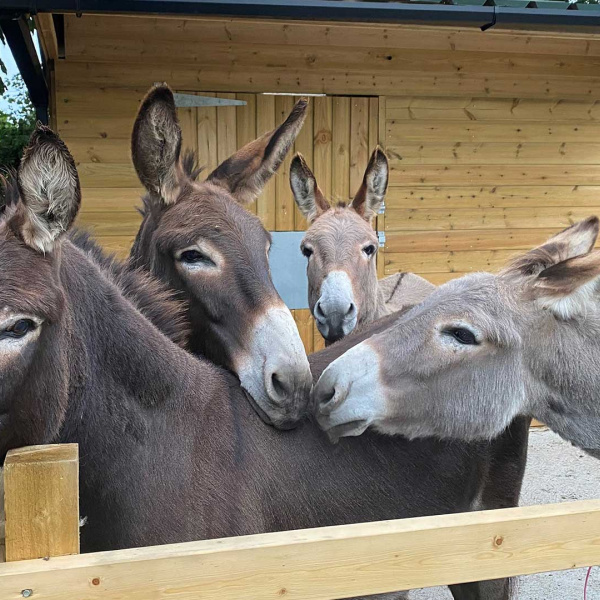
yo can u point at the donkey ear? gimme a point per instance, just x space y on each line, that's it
308 196
245 173
371 193
156 144
577 240
49 190
569 287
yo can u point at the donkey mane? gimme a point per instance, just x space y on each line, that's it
149 295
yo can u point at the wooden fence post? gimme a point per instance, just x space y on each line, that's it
41 500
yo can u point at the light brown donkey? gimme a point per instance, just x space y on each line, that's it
340 245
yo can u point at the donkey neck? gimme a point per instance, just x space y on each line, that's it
565 378
123 360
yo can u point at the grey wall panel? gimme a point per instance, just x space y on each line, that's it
288 268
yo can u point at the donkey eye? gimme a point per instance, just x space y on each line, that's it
193 257
463 336
307 251
19 329
369 250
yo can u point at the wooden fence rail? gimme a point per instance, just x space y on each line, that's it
325 563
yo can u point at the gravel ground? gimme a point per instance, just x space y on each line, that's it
556 472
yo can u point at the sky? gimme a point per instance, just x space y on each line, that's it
6 56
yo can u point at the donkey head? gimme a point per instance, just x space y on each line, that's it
40 206
340 246
200 240
481 350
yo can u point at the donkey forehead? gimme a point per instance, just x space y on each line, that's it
339 227
480 300
205 210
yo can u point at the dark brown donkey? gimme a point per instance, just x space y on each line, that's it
200 240
171 450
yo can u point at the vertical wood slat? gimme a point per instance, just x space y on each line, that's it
265 121
41 498
323 143
246 128
359 141
305 143
188 121
226 129
207 138
304 322
377 123
284 204
341 149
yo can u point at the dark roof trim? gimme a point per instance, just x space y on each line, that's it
326 10
18 38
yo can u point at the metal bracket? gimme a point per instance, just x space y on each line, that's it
381 237
192 101
381 210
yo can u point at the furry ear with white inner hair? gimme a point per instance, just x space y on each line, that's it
49 190
371 194
569 288
307 194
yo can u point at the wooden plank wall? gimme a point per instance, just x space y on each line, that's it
474 180
493 136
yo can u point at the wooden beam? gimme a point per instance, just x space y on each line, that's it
41 499
44 24
329 562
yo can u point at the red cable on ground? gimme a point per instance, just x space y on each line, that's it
585 585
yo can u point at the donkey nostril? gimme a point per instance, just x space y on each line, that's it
326 398
278 386
319 311
351 310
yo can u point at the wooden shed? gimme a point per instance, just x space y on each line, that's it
493 136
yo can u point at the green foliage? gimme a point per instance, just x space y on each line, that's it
16 124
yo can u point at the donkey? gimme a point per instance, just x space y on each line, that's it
341 247
481 350
171 450
344 293
200 240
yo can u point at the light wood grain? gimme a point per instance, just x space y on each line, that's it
359 141
494 153
330 562
44 25
304 322
41 499
494 196
207 138
340 178
323 144
437 219
286 80
352 35
435 262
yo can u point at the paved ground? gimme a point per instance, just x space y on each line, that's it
556 472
